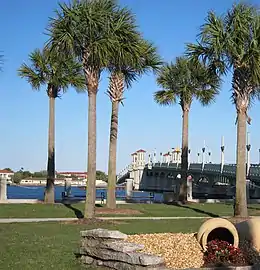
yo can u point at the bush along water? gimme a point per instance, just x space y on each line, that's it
221 253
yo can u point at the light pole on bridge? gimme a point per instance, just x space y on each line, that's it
189 151
259 155
209 157
203 154
248 147
222 148
198 157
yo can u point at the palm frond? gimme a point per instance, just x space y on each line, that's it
47 67
33 77
231 43
165 97
84 28
185 80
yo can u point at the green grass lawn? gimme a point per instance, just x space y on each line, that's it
147 210
52 245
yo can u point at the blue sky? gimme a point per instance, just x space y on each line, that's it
142 123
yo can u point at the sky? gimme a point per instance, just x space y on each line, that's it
143 124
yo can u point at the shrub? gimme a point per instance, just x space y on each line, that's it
221 253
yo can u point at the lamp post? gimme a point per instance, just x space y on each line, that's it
209 157
189 151
248 147
222 148
259 156
203 154
198 157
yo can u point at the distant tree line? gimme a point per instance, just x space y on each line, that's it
21 174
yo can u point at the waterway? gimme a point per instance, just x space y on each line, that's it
37 192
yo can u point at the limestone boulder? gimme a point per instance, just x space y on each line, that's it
103 233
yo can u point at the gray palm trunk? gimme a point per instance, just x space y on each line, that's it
49 190
241 199
184 156
91 182
111 189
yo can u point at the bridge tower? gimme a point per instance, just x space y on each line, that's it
137 168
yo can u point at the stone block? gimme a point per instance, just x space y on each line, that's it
126 266
103 233
86 259
121 246
128 257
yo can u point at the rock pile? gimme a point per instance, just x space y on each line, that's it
106 249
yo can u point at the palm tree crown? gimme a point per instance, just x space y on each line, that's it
129 63
57 72
232 43
186 80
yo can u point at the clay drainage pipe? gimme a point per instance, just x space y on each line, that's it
217 228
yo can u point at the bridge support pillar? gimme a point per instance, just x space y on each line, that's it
3 189
129 188
189 188
67 187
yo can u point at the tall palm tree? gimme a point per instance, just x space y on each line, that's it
91 31
57 73
231 43
125 68
185 81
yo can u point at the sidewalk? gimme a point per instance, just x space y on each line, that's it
29 220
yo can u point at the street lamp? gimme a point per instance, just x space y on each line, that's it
209 157
248 147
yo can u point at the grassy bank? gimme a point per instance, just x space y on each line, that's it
146 210
52 245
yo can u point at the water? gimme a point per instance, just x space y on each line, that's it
37 192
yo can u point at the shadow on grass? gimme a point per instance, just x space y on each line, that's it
194 209
77 212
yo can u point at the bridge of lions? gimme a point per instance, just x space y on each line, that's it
205 180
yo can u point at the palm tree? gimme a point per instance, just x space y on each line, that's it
91 31
131 61
231 43
185 81
57 73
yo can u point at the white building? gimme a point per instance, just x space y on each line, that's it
173 156
57 182
5 174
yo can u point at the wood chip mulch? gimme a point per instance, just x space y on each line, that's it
178 249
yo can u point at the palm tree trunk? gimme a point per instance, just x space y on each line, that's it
49 190
91 182
184 155
111 189
241 200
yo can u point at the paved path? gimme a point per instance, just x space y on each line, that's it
29 220
25 220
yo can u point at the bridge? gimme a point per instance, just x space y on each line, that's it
204 179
